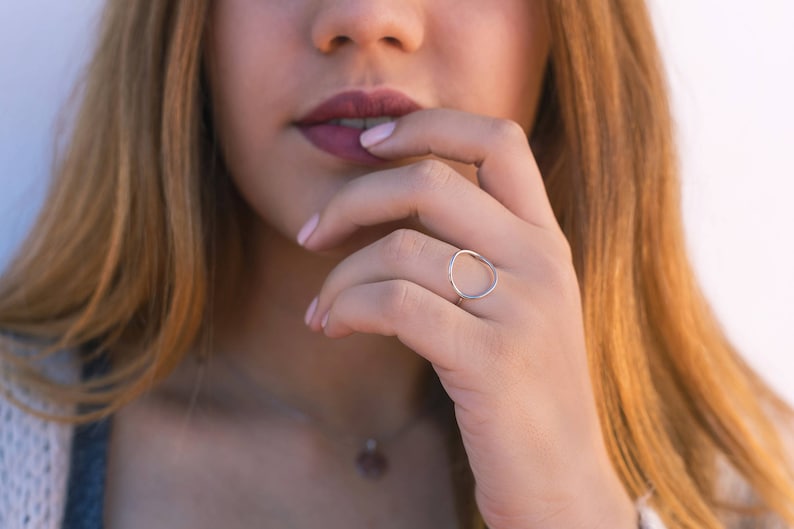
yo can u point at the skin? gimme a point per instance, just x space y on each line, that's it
376 242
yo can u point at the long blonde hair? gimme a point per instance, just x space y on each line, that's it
124 249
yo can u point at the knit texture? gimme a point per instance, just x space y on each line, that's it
34 453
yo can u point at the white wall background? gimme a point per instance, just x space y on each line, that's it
731 68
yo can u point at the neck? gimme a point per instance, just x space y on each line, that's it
362 384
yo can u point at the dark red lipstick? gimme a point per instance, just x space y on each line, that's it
323 129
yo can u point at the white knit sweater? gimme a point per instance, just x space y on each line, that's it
34 454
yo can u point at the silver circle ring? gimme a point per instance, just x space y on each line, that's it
462 295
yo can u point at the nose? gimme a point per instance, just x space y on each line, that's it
367 24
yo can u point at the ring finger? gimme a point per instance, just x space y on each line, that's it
413 256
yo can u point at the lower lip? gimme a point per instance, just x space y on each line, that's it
342 142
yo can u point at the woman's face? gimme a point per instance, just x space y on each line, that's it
274 65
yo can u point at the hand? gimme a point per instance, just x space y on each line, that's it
514 362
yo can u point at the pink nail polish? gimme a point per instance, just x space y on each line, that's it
308 228
310 311
325 321
377 134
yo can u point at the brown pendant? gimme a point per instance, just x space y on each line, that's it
370 462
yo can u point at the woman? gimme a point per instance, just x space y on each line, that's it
236 162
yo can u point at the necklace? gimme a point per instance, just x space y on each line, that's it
370 461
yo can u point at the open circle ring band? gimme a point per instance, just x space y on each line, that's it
462 295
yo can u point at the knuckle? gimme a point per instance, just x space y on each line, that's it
550 259
402 245
563 247
431 175
398 299
558 277
507 131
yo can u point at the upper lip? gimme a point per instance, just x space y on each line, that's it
359 104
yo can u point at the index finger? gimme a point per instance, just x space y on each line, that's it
499 148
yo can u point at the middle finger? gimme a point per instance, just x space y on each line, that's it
446 203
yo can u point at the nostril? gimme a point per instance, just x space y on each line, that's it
393 41
341 40
367 25
335 43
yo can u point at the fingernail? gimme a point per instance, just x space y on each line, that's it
308 228
325 321
310 311
376 134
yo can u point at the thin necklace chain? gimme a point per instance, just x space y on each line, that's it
264 395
